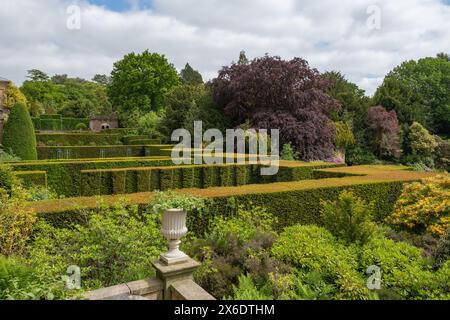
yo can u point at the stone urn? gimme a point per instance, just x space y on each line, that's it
173 229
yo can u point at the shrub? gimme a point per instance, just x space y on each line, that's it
349 218
16 221
81 126
7 157
442 253
112 246
247 290
358 155
172 200
19 282
18 136
424 206
404 272
235 246
421 141
288 152
311 248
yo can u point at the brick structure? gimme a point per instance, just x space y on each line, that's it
99 123
3 111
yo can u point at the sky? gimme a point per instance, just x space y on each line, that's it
362 39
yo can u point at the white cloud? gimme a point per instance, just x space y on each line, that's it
331 35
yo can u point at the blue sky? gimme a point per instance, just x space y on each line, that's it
122 5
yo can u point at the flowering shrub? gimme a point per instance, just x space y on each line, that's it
424 207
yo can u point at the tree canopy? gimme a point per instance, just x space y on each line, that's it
276 94
140 81
419 91
190 76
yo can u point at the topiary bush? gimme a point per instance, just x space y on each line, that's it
18 136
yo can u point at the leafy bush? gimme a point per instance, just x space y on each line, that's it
19 282
422 143
311 248
112 246
424 206
349 218
404 272
236 246
358 155
18 136
247 290
81 126
16 221
288 152
442 253
5 157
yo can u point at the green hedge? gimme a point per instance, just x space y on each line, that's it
55 122
33 178
89 152
290 207
300 206
65 176
132 180
77 139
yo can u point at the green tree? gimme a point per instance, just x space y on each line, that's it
186 104
18 135
242 58
344 137
190 76
419 91
102 79
443 55
37 75
422 143
13 95
140 81
349 218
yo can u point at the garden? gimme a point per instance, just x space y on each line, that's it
358 210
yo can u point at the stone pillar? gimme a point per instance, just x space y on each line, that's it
170 274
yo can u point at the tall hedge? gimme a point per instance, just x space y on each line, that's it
18 135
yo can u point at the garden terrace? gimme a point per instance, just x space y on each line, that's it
76 139
292 202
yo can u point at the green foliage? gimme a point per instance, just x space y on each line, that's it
140 81
349 218
77 139
172 200
18 136
247 290
7 157
442 253
424 207
344 136
235 246
112 246
188 103
13 96
288 152
359 155
81 126
71 97
311 248
66 176
19 282
404 272
422 143
190 76
418 91
16 220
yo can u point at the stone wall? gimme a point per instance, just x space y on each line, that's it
3 110
100 123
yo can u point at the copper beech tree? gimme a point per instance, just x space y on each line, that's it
273 93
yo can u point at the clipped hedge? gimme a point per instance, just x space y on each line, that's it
55 122
33 178
132 180
18 134
65 176
77 139
89 152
